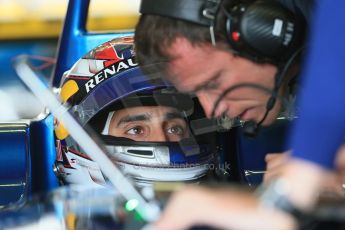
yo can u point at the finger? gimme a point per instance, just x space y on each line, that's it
275 161
184 200
271 175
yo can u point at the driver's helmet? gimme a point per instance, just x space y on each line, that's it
107 83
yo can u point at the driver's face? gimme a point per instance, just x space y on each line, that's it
149 123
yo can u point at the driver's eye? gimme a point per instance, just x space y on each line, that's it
135 131
176 130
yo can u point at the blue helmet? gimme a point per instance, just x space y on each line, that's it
103 84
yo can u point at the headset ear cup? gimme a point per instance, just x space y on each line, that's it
264 31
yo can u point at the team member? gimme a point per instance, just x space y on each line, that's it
194 64
233 68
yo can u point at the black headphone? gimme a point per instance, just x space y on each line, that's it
263 31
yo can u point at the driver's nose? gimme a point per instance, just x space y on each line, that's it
158 135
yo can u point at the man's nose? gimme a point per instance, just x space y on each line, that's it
207 102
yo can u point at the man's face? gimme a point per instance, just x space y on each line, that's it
149 123
208 71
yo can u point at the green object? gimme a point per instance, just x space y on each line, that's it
131 205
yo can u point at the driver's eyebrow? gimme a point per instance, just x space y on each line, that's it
173 115
131 118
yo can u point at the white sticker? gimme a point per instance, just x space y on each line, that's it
277 27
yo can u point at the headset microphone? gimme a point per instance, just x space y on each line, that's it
251 128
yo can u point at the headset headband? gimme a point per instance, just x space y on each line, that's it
197 11
263 31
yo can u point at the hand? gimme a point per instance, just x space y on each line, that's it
333 184
274 165
225 208
304 180
340 163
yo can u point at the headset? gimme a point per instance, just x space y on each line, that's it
261 30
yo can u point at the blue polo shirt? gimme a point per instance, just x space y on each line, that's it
320 129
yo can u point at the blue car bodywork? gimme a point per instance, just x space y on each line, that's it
27 148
